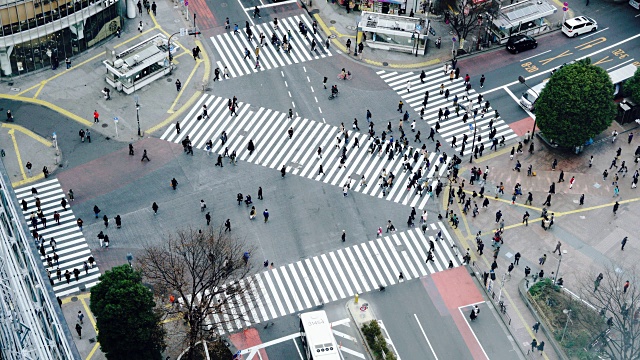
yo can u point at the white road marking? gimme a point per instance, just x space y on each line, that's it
425 337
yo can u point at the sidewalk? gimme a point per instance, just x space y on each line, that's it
334 21
159 101
21 146
590 234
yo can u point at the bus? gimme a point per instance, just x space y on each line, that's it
317 337
617 76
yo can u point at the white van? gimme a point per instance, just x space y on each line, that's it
578 26
528 99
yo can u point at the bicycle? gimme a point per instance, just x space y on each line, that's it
333 96
346 76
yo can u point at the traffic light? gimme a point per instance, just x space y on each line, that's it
193 32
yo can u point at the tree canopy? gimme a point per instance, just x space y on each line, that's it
632 87
207 274
124 309
576 104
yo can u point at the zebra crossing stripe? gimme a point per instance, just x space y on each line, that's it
268 301
282 288
316 280
345 280
348 266
230 48
71 246
304 296
274 294
257 298
268 130
307 282
452 126
325 280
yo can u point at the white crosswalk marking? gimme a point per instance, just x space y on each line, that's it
454 125
337 276
273 149
229 49
70 244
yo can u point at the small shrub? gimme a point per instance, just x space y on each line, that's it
376 341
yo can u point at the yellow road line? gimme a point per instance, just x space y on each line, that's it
170 119
416 65
184 86
41 84
29 133
207 63
328 32
17 150
49 105
93 351
171 319
28 180
493 155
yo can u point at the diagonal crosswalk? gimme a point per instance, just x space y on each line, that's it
230 48
268 131
337 275
454 126
70 244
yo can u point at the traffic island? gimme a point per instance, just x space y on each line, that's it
373 335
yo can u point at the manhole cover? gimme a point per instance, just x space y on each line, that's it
104 125
169 80
332 22
385 63
75 298
332 36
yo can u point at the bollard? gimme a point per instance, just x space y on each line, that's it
355 299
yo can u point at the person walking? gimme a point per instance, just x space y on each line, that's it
208 218
344 236
260 193
534 345
542 260
227 225
541 347
558 248
615 207
624 242
626 287
571 182
482 79
79 330
155 208
145 156
265 213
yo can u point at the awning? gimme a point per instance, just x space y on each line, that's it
399 2
523 12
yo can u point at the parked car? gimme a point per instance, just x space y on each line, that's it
518 43
578 26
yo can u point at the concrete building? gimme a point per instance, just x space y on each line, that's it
42 33
32 325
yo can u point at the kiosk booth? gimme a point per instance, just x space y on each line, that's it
139 65
524 17
395 33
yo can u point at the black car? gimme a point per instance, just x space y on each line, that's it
518 43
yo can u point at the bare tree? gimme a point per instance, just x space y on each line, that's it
207 273
469 17
616 297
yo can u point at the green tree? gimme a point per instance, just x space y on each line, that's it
632 87
124 309
576 104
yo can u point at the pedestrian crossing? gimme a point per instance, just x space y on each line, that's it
268 131
70 244
230 48
454 126
335 276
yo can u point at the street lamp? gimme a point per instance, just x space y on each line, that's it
522 81
555 280
138 114
568 313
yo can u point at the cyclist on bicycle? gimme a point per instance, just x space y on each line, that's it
343 74
334 90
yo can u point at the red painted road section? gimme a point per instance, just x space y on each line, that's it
204 17
247 339
521 127
115 170
456 287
